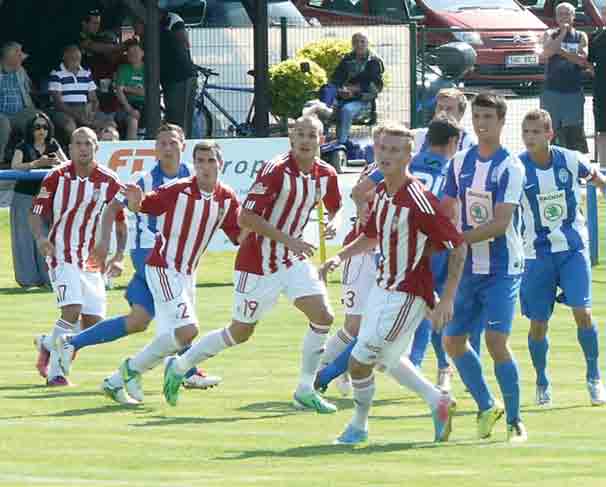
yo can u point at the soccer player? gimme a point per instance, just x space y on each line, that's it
193 209
406 223
274 259
430 166
556 249
170 142
72 197
483 192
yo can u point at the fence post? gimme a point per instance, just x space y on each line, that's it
283 57
593 224
412 30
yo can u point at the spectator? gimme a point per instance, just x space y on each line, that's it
16 105
109 134
39 150
565 52
101 53
358 79
72 90
597 56
177 74
130 89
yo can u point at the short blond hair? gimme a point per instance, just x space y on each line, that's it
454 94
539 115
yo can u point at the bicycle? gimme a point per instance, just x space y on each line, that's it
203 120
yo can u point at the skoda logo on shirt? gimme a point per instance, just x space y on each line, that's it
553 212
479 213
563 176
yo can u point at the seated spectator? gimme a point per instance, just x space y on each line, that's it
39 150
130 89
73 93
109 134
358 79
16 105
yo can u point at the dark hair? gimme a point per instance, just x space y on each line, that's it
171 127
441 129
95 12
71 48
208 146
491 100
29 128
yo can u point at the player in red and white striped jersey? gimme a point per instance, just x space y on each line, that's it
407 225
193 208
72 196
273 259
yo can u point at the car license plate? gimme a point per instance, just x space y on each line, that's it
522 60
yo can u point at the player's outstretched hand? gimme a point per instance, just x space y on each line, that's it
99 255
115 266
442 314
45 247
301 247
134 195
329 266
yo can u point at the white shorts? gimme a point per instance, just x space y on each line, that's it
388 327
73 285
174 298
359 274
255 295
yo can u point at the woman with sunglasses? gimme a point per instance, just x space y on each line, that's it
39 150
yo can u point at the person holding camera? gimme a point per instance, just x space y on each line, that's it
39 150
565 53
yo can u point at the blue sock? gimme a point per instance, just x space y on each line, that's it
438 348
509 382
475 339
470 370
420 342
191 371
588 338
538 353
336 367
105 331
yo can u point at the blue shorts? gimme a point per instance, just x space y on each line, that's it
569 270
137 291
484 300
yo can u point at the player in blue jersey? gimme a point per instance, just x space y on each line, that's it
556 249
483 192
431 167
170 143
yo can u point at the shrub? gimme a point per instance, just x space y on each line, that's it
290 87
326 52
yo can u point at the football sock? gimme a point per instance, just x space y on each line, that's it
588 338
191 371
438 348
61 328
206 347
409 376
509 383
538 353
105 331
336 344
153 353
420 343
470 370
337 367
313 347
363 392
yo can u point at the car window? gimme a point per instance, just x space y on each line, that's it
449 5
220 13
394 9
348 6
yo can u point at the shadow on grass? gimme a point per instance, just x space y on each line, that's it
368 449
23 387
108 408
54 393
287 406
11 291
538 409
161 421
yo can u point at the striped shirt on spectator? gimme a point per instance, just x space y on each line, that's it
74 88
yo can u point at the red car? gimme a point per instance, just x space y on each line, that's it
508 56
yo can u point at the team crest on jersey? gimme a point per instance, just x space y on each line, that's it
563 176
258 188
479 213
553 212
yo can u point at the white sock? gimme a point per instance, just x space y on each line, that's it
407 375
335 345
61 327
206 347
154 352
313 347
77 327
53 365
116 379
363 392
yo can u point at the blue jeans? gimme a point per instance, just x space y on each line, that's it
348 110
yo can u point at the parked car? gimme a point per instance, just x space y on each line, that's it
231 13
505 57
587 12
